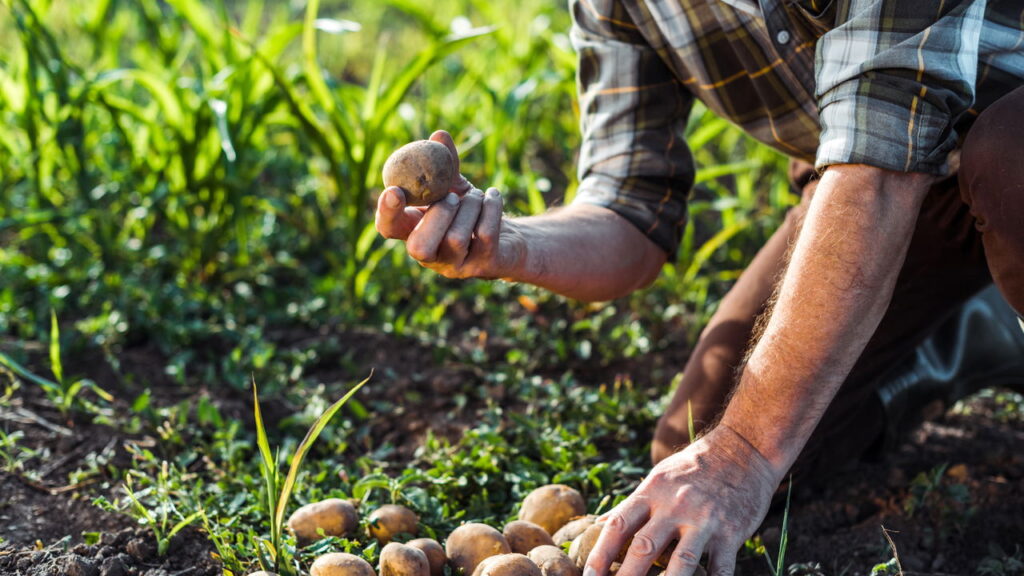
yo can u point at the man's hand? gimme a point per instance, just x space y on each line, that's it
581 251
838 284
461 236
711 496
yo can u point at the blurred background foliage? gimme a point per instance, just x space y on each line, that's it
177 171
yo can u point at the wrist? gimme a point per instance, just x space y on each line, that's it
733 445
777 436
513 259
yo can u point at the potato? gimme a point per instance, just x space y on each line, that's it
584 544
552 506
553 562
391 519
424 169
336 517
402 560
341 564
434 552
524 536
470 544
574 528
507 565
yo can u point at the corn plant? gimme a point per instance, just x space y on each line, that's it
272 553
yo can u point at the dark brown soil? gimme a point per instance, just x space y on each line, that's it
973 453
129 552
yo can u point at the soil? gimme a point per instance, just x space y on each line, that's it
972 454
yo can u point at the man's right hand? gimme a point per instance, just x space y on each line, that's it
463 235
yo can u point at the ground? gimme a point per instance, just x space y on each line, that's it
951 498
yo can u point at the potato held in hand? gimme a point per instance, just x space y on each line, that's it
424 169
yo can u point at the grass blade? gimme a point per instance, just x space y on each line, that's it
55 365
304 446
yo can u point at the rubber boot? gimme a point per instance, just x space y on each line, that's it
980 345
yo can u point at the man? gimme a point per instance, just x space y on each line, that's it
913 115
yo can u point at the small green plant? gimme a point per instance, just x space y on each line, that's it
778 569
272 554
65 395
893 566
11 455
164 519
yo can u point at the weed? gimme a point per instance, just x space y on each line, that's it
778 569
65 395
272 554
159 512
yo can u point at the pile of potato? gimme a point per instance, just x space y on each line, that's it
550 516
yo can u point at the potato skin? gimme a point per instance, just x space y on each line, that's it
551 506
424 169
584 543
434 552
341 564
507 565
553 562
524 536
391 519
336 517
574 528
468 545
402 560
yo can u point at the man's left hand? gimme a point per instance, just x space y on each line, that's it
709 497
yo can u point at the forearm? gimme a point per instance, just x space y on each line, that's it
583 252
832 297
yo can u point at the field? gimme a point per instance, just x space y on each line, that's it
186 220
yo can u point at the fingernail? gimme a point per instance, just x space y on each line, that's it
477 192
391 198
589 572
452 198
494 193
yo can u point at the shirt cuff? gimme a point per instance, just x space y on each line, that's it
884 125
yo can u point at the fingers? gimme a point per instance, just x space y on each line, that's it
645 548
460 185
394 219
722 559
685 559
488 226
455 246
425 239
630 516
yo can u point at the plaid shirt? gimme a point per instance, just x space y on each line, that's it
889 83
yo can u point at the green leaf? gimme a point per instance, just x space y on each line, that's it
55 364
303 448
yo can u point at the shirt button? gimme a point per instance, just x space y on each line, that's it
782 37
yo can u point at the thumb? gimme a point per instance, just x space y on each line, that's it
460 185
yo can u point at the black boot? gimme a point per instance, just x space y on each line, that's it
981 345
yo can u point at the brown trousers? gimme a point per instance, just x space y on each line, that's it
970 232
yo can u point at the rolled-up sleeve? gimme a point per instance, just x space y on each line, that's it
634 159
893 78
